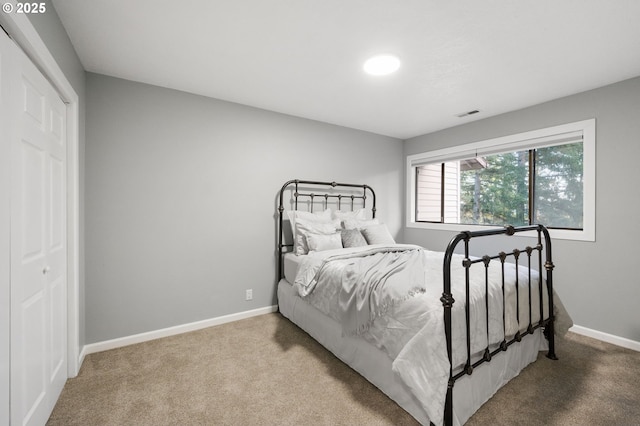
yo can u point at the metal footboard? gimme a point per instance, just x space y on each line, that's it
532 254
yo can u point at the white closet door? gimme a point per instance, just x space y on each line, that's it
38 247
6 119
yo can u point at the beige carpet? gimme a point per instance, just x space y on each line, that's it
266 371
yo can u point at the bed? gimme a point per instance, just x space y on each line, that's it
437 332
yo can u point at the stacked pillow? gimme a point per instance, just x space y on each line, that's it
306 223
329 230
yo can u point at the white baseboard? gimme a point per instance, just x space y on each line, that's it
198 325
605 337
171 331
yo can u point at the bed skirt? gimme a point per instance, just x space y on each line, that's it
375 365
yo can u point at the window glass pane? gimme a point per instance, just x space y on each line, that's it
428 193
559 188
451 205
495 189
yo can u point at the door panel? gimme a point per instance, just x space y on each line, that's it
32 200
34 102
57 128
33 368
57 203
57 326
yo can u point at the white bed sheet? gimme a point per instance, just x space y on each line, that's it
470 392
291 264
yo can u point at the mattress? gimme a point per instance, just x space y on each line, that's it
470 392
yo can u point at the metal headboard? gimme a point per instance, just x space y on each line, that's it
304 189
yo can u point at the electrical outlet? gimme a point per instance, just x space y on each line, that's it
248 294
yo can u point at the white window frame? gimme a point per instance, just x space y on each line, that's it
525 140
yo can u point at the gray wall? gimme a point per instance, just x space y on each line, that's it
597 281
181 200
50 29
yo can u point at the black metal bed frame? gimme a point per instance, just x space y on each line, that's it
447 296
448 301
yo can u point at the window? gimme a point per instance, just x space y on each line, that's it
545 176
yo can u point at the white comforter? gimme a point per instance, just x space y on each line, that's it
412 331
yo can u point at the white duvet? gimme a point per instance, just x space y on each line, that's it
411 331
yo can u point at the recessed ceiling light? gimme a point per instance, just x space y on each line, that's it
381 65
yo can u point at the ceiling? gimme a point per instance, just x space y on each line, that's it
304 57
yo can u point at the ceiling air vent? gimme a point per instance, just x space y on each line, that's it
464 114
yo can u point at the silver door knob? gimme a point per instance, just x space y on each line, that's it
46 270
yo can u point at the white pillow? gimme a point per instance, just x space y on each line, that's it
345 215
377 234
294 215
323 216
306 227
319 242
358 224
